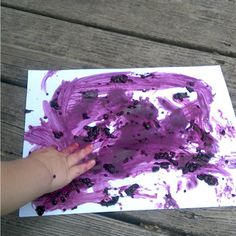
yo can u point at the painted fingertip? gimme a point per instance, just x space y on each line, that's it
53 146
90 146
92 163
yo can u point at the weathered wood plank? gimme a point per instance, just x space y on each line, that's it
208 221
199 221
204 25
31 41
22 51
86 224
12 141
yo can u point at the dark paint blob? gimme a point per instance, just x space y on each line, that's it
54 202
180 96
111 202
90 94
54 104
209 179
155 168
190 89
40 210
110 168
190 167
86 181
27 111
119 78
57 134
131 190
222 132
85 116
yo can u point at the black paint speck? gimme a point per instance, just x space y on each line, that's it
112 202
28 111
40 210
130 191
190 89
105 190
110 168
105 116
180 96
57 134
190 167
203 157
86 181
90 94
222 132
147 125
155 168
119 78
62 199
85 116
209 179
164 165
54 202
107 131
120 113
54 104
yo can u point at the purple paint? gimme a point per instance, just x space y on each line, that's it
139 142
169 201
49 74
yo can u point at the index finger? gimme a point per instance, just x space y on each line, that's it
74 158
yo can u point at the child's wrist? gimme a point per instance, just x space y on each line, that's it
44 174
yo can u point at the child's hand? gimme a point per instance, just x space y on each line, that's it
63 166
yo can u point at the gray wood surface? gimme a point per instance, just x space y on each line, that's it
81 225
200 24
40 42
96 34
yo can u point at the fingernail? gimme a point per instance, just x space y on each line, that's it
92 163
90 146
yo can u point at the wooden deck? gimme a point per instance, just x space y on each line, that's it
63 34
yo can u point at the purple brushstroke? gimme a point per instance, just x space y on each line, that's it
139 136
49 74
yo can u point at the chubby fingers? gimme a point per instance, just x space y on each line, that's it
71 148
78 170
74 158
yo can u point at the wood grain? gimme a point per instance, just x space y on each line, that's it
207 221
38 42
199 24
114 34
86 224
199 221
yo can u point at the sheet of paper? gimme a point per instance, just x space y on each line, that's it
165 137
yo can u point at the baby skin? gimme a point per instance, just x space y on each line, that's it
43 171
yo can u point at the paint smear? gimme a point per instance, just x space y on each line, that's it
132 134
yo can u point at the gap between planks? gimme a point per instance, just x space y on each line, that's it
173 231
126 32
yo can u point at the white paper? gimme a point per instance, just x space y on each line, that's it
212 75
